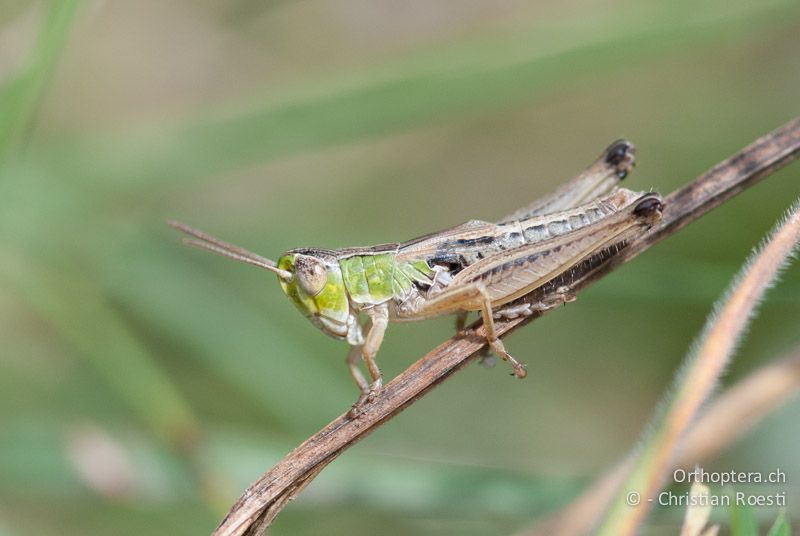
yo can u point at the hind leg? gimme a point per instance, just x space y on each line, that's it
472 297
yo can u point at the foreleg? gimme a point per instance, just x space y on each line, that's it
378 321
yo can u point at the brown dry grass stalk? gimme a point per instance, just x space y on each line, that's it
699 375
728 418
264 499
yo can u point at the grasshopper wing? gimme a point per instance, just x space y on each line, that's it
518 271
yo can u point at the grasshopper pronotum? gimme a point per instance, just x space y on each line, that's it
478 266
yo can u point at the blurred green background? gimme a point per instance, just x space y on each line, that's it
143 385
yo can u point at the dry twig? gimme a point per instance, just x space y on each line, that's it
263 500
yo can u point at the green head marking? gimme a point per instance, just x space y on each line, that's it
316 288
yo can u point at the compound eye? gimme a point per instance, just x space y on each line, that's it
311 274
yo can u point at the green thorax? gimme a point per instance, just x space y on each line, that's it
371 279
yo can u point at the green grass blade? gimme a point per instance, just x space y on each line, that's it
20 97
743 520
376 105
75 309
780 527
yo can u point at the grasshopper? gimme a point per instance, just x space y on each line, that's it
520 265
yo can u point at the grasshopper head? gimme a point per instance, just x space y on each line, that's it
310 277
316 288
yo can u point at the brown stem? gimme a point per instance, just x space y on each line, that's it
264 499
